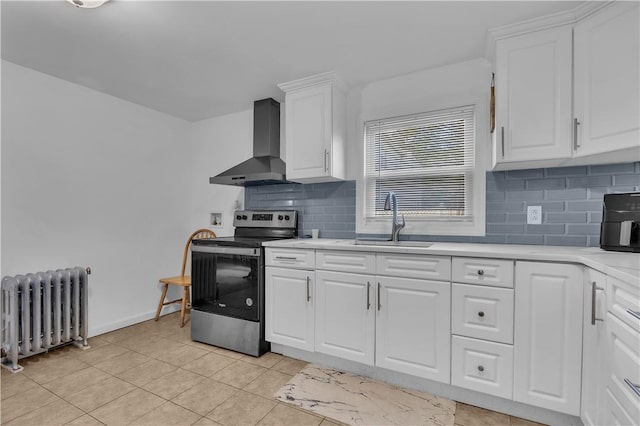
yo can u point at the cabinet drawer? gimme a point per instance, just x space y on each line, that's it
414 266
623 297
614 414
624 365
493 272
346 261
482 366
291 258
482 312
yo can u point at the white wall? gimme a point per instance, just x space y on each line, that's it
91 180
218 144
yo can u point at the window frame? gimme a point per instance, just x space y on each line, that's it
423 225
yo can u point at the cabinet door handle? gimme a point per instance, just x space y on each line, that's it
502 133
368 298
326 160
481 314
481 272
308 289
576 123
634 388
379 304
480 368
633 313
594 287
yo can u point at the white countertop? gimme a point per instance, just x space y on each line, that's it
624 266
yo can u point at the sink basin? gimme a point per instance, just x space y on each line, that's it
422 244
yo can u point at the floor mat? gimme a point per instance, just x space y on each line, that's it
358 400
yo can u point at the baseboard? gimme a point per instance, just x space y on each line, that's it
101 329
445 390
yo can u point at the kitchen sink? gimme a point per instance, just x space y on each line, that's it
421 244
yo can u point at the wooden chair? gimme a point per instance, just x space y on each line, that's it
182 280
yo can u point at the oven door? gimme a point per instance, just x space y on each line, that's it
228 281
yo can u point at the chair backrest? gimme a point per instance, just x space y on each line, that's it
199 234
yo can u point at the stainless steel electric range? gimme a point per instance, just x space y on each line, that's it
227 281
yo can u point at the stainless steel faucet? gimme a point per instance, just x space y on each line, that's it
391 203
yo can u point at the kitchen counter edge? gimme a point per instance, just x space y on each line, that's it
624 266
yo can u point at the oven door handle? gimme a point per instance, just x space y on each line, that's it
227 250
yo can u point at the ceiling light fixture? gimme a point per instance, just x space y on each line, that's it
87 4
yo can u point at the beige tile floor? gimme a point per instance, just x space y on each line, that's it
153 374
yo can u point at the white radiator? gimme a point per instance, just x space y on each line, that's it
41 311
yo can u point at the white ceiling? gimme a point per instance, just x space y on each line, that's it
200 59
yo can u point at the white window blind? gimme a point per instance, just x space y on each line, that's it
427 159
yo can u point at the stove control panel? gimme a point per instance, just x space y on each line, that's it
265 219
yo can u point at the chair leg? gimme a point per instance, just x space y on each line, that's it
185 297
164 294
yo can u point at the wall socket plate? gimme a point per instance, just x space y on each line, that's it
534 215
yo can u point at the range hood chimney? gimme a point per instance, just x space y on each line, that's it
265 167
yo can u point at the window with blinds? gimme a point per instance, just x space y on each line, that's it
426 159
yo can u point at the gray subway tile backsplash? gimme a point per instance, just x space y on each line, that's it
571 200
588 181
547 183
566 171
329 207
567 217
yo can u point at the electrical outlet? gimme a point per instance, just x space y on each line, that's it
534 215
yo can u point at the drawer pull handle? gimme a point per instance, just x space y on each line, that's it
480 368
481 314
634 388
481 272
286 258
594 287
633 313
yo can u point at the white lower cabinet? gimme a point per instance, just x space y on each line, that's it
548 335
412 327
482 366
397 323
345 316
623 371
523 343
594 357
289 307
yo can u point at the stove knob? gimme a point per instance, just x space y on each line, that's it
238 217
286 217
280 217
244 217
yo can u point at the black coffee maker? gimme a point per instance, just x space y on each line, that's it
620 229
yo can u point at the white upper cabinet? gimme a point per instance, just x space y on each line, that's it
567 88
315 113
533 96
607 80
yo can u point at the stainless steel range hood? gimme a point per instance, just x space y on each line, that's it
265 167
